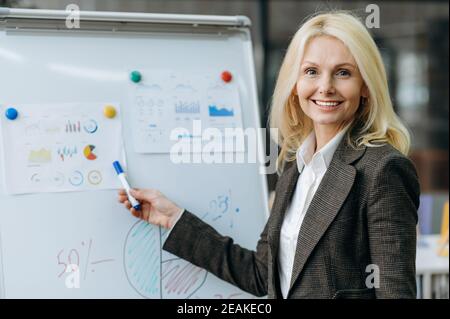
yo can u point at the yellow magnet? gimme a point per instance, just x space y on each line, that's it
109 111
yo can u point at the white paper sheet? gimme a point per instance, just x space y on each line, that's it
61 148
166 102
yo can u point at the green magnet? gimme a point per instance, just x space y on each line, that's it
136 76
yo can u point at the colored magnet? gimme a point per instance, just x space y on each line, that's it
11 114
136 76
110 111
227 76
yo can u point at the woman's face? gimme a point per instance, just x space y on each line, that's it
329 86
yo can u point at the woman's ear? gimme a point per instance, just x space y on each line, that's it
365 91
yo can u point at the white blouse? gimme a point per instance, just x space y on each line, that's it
312 168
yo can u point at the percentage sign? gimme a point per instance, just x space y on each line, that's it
89 248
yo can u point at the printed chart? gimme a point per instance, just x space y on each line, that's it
167 104
64 147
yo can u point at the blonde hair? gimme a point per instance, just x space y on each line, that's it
375 121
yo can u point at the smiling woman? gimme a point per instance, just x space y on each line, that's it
343 222
329 87
333 58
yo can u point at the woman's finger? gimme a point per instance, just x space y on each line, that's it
143 194
145 215
135 213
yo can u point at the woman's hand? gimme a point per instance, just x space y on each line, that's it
155 207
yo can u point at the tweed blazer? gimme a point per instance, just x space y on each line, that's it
357 239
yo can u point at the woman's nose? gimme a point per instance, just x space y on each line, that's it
326 85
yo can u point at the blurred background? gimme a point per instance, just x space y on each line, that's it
414 41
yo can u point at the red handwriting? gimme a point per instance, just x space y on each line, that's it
79 257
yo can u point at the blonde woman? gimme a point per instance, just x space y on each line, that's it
343 222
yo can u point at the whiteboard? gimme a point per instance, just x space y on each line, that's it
117 255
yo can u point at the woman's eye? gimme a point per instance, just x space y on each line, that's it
343 73
310 72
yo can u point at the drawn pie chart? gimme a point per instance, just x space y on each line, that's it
150 275
89 152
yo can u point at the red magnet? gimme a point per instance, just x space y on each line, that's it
226 76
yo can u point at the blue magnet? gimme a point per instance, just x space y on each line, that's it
11 114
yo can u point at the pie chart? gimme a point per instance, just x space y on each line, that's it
90 127
89 152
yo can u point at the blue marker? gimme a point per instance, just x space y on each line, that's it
136 205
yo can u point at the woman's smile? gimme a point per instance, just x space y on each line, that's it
328 105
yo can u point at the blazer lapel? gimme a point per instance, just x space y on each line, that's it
284 193
326 203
